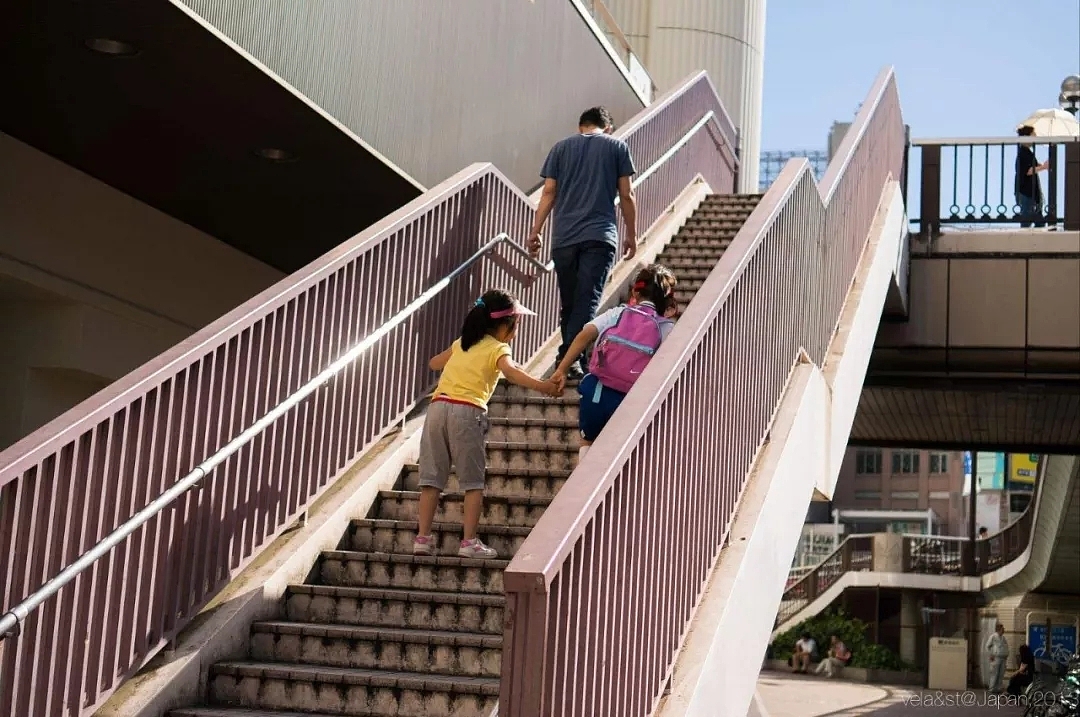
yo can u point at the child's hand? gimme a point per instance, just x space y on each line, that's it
554 388
559 379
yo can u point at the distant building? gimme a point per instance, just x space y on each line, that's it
901 491
836 136
773 161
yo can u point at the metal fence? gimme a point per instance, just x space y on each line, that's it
855 553
600 595
971 181
71 483
920 554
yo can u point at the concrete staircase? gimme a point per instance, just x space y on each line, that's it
379 632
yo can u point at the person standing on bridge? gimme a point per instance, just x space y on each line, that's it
583 174
1029 196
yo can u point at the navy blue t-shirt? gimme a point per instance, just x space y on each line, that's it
586 169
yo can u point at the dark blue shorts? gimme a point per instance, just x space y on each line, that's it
596 408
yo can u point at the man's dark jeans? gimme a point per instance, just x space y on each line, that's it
582 270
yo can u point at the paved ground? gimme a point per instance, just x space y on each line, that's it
785 695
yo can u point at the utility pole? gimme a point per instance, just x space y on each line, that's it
969 555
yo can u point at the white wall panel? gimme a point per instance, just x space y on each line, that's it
724 37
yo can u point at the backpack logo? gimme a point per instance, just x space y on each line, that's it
623 351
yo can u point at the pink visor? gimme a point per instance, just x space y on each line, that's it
516 310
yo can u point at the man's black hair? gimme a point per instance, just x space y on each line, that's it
1025 130
598 117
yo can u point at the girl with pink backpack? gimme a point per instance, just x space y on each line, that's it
627 337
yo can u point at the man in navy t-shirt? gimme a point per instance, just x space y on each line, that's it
583 174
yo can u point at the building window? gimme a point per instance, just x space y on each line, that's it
940 495
868 495
905 462
868 462
905 495
1018 502
939 462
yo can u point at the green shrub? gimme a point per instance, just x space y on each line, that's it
854 633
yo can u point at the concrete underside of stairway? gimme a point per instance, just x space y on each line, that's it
297 576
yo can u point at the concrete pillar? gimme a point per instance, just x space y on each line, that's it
910 619
726 39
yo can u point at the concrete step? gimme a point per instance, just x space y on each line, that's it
507 454
536 430
414 609
680 257
696 273
239 712
435 652
705 238
498 509
709 229
412 572
743 202
343 691
564 409
396 536
510 392
535 482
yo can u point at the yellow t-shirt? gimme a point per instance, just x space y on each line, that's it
471 376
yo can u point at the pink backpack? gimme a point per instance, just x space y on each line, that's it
623 351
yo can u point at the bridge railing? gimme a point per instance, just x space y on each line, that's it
920 554
968 181
69 485
855 553
941 555
600 595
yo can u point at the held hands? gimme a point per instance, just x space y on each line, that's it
559 379
552 388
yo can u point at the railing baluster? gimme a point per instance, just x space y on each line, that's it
963 208
1002 208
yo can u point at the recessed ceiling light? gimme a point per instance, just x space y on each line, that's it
273 154
116 48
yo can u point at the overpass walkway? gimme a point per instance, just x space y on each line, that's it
672 538
1037 545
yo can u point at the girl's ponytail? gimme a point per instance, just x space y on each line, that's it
656 284
475 327
478 322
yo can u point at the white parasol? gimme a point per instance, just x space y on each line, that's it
1052 123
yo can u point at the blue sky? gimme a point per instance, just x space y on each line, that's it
964 67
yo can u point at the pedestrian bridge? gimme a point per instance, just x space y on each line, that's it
230 523
1036 553
987 354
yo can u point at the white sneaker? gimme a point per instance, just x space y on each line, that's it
423 545
476 549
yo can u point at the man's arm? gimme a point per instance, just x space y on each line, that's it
547 202
629 211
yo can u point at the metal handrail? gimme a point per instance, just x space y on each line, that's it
964 141
708 117
10 621
13 618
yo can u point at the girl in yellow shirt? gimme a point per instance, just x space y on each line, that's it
456 424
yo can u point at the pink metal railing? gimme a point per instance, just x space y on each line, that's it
70 484
601 594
